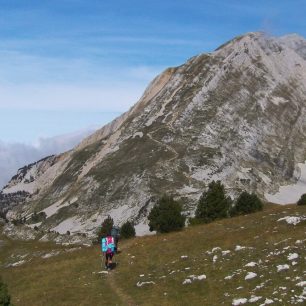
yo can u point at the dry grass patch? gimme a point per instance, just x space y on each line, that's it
160 264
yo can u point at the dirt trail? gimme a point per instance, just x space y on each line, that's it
124 297
164 145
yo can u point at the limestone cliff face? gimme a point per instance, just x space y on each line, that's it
237 114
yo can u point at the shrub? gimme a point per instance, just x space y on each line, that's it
213 204
3 216
194 221
5 299
38 217
19 221
302 200
105 229
246 204
166 215
127 230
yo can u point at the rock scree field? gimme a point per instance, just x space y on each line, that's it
258 259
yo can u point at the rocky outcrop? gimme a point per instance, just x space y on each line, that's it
237 114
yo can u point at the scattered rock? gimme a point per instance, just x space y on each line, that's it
250 275
282 267
292 256
140 284
239 301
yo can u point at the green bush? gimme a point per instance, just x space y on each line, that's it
127 230
5 299
194 221
302 200
19 221
38 217
213 204
166 215
246 204
105 229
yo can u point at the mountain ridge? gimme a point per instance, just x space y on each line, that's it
248 95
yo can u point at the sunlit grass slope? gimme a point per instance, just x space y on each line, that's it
152 270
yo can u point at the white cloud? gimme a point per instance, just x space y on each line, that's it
31 79
17 155
46 83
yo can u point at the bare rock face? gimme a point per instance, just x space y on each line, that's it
237 114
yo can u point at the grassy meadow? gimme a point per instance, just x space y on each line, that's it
151 270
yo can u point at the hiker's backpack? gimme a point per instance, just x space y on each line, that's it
108 245
115 232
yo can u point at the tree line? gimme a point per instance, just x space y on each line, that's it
213 205
167 214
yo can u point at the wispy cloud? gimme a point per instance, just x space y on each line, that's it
100 55
37 82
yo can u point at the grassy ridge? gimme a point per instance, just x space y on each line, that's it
68 278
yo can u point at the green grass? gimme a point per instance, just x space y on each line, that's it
68 279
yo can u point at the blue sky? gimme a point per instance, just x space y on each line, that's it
67 65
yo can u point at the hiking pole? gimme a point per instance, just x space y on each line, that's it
101 262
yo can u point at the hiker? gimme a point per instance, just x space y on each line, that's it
108 249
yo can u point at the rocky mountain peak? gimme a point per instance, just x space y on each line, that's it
295 42
237 115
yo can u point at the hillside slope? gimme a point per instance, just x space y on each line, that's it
237 114
256 260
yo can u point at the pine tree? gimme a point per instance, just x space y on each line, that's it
166 215
5 299
302 200
246 204
127 230
213 203
105 229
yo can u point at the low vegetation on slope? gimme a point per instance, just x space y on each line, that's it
255 259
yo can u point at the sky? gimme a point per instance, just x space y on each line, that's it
74 65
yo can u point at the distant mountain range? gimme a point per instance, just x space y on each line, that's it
237 115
